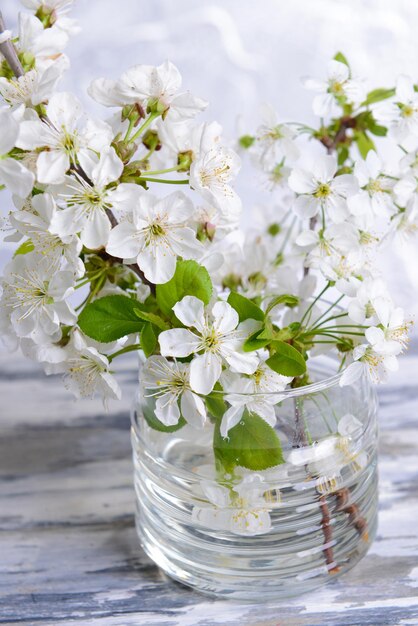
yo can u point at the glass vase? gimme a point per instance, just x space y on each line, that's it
265 533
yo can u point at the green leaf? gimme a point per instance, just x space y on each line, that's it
343 154
148 339
254 343
110 318
286 360
215 402
252 443
245 308
376 129
155 423
364 143
25 247
341 58
377 95
286 298
190 279
153 318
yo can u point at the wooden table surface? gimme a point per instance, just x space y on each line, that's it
68 549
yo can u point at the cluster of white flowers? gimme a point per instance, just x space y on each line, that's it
80 185
84 218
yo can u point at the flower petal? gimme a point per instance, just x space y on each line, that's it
178 342
205 370
190 312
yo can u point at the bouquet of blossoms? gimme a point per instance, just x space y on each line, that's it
128 238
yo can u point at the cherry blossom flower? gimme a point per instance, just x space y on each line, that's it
338 88
257 394
87 198
35 86
34 296
168 382
15 176
35 224
157 234
44 44
219 337
326 459
211 174
402 113
155 88
273 141
320 189
60 139
86 371
241 509
375 199
373 361
362 308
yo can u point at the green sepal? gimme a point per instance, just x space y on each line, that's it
24 248
341 58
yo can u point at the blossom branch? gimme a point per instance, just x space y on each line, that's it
8 50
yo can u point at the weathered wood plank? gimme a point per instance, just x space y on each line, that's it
69 553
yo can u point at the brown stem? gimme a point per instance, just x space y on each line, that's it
133 266
340 136
9 52
299 438
345 505
327 532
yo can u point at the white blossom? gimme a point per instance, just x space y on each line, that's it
211 174
86 199
86 371
36 225
158 232
60 138
257 394
15 176
34 296
219 337
151 87
35 86
402 113
168 382
240 509
320 189
339 87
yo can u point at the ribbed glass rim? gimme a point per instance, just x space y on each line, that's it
311 388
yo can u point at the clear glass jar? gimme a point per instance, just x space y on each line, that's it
274 533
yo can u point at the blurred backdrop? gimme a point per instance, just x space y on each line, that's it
237 54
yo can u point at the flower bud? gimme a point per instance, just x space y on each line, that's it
133 112
46 15
155 106
151 140
125 151
184 160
